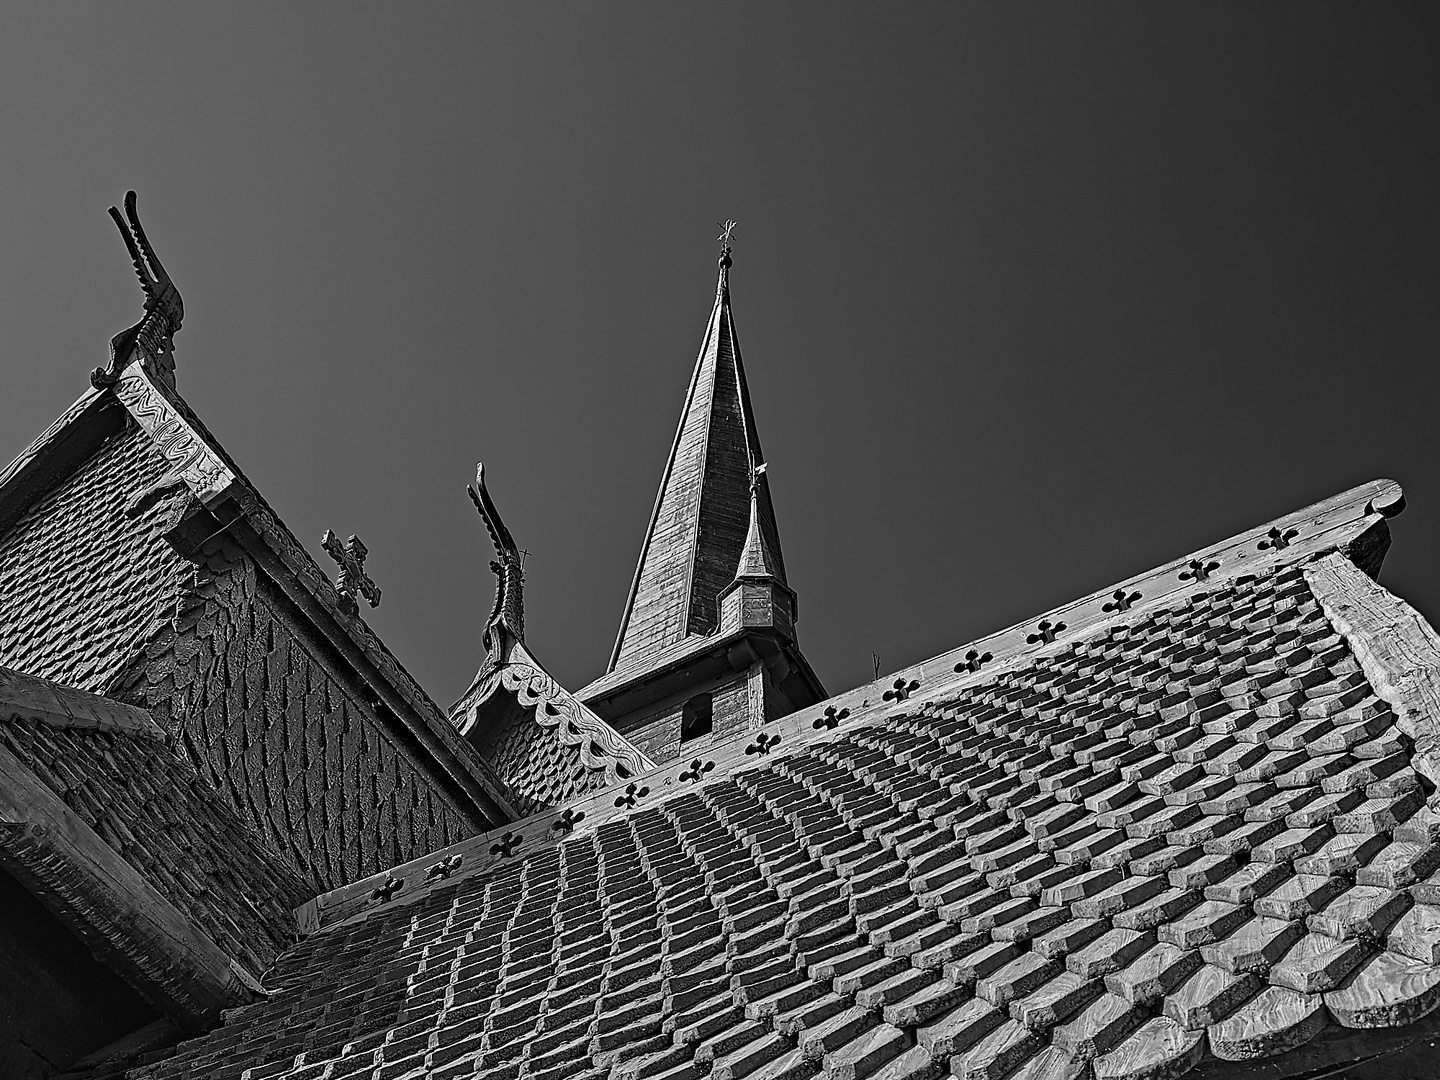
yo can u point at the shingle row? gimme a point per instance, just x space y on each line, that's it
1195 834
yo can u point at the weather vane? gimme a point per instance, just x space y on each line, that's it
727 233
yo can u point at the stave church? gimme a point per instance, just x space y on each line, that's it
1185 826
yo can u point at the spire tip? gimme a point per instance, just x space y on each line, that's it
727 233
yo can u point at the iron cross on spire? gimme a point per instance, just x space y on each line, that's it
727 233
353 582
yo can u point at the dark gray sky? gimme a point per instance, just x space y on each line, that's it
1032 298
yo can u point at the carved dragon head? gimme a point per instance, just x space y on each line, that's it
154 334
508 615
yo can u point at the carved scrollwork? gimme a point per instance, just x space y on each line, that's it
599 746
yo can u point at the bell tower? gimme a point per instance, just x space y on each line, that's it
707 640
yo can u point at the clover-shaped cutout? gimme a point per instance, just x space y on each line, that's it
974 661
763 744
901 690
387 889
696 770
632 795
567 820
1275 539
1045 632
1120 600
1199 570
506 846
444 868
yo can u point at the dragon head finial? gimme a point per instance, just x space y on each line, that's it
508 615
153 336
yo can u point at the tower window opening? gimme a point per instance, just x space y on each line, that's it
697 718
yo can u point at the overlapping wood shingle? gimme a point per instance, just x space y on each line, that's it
83 583
1191 832
111 767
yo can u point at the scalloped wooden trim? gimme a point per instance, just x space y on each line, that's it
560 712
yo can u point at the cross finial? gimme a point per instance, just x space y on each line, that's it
755 475
352 582
727 233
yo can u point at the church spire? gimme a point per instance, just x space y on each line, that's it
707 643
703 511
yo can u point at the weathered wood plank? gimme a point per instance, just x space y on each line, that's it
1387 991
1275 1021
1398 650
1159 1050
1417 934
111 907
62 706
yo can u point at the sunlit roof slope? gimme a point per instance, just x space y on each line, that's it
1179 824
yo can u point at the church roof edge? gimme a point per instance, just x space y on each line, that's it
1353 522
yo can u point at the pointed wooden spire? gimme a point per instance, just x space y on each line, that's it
757 562
703 512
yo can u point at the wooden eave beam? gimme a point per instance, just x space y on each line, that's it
109 905
693 672
62 706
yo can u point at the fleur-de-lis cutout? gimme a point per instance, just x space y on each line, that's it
387 889
974 661
444 868
1045 632
831 720
1199 570
901 690
633 794
568 819
506 845
1277 539
1120 600
763 744
697 769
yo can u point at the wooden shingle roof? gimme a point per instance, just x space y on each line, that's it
1181 825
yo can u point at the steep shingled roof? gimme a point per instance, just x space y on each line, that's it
1178 822
84 575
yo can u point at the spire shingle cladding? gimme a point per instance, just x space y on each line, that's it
698 527
1186 830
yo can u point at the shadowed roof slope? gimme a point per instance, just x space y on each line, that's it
1179 824
83 774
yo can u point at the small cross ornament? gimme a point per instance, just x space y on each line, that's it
727 233
352 582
